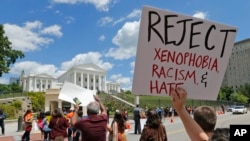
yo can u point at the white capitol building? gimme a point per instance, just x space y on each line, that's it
89 76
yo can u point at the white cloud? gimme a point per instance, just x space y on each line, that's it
102 38
200 15
34 67
102 5
134 14
28 37
105 20
70 20
52 30
90 57
126 40
125 82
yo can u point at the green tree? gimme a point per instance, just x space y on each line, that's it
8 55
240 98
38 100
225 93
245 90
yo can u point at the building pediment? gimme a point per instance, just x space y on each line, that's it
90 67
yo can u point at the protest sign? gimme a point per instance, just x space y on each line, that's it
70 90
178 50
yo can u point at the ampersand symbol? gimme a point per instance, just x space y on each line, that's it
203 78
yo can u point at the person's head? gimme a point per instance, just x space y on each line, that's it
206 117
93 108
57 113
221 134
80 113
120 121
27 112
137 105
153 119
41 115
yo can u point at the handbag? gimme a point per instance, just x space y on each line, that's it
52 133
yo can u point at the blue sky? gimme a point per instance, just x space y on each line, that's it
58 34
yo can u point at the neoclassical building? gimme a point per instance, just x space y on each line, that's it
89 76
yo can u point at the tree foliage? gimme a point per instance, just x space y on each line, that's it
8 55
38 100
239 98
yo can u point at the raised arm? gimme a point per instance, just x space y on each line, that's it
102 108
179 96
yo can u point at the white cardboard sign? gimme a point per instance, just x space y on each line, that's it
70 90
178 50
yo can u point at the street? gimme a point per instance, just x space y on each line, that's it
175 129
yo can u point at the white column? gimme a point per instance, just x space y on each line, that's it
94 82
74 77
99 82
87 81
47 105
34 84
81 79
59 104
46 84
105 87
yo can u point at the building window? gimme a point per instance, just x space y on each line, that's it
91 80
37 85
79 79
86 79
96 80
48 86
43 86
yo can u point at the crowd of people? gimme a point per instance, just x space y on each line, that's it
61 124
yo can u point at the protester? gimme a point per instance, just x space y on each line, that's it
46 129
221 134
77 133
107 110
69 115
117 129
27 125
206 117
94 127
137 117
195 132
2 118
58 125
40 117
153 130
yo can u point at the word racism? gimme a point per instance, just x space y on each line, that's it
177 76
188 59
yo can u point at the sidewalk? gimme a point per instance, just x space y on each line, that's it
11 133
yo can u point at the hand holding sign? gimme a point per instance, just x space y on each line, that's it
176 50
71 91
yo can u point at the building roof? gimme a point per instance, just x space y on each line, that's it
89 67
41 75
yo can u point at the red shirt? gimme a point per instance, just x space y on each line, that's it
93 128
59 125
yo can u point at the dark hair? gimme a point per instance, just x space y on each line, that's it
206 117
26 113
120 121
153 120
41 115
80 113
57 113
221 134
